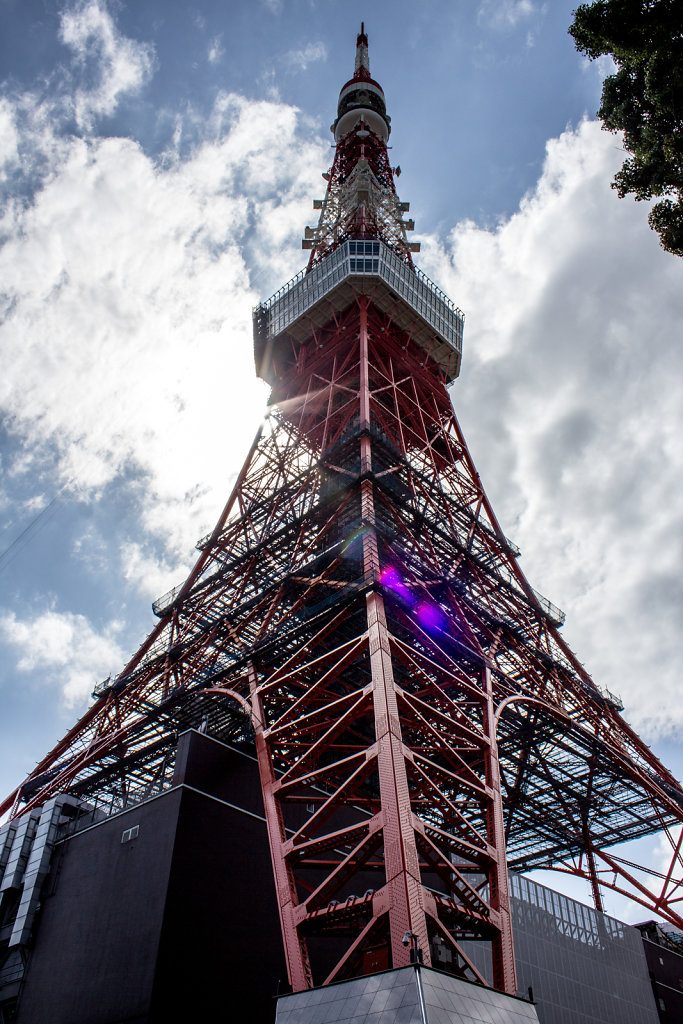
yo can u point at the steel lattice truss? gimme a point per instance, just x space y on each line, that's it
361 201
358 615
358 610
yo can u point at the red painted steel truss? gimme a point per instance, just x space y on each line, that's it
364 157
419 723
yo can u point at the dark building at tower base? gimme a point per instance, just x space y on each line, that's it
162 912
165 911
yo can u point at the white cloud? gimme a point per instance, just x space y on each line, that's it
300 59
127 333
571 396
599 68
506 13
62 649
126 317
113 64
35 504
9 139
150 574
92 551
216 50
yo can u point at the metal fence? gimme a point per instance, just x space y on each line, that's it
355 258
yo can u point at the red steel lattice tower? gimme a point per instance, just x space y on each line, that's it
358 615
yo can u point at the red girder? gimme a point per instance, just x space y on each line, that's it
414 711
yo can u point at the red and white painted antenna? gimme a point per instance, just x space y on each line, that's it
361 200
362 70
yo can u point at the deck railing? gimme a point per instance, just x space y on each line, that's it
359 257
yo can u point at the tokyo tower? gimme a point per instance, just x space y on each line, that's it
358 620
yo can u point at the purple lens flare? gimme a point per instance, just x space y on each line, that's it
428 614
391 579
430 617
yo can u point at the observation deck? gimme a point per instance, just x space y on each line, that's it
361 266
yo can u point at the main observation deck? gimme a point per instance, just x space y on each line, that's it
360 266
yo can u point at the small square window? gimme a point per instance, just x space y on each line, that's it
130 833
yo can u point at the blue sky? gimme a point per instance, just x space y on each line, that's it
157 166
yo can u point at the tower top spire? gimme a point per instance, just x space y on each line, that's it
362 98
361 200
362 71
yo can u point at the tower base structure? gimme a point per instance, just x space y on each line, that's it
407 995
162 911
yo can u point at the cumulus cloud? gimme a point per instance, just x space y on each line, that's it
146 571
299 60
63 650
127 290
571 396
506 13
125 316
110 64
9 140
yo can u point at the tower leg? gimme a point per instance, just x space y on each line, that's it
406 906
403 883
504 972
298 966
595 885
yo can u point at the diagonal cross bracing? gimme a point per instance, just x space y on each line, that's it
358 619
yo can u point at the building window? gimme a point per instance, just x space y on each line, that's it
130 833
